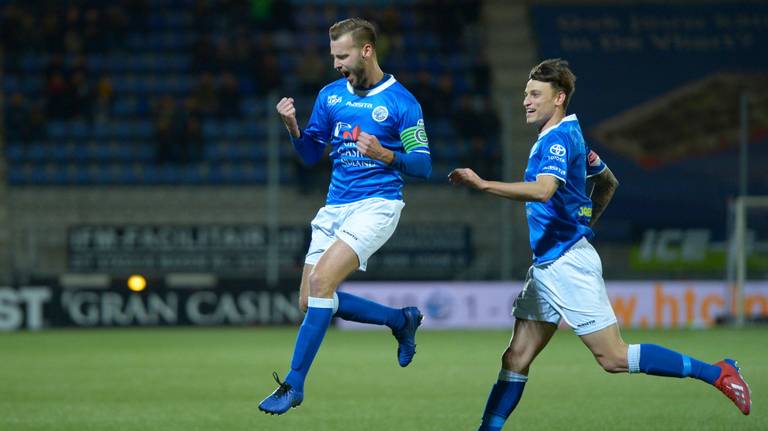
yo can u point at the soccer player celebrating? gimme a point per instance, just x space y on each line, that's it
565 280
376 132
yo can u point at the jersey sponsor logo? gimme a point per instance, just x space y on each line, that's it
346 131
351 135
581 325
593 159
333 99
380 113
555 169
359 105
557 150
556 158
340 128
350 234
585 212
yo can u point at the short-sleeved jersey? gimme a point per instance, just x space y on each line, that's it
557 224
387 111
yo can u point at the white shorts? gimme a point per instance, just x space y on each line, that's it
363 225
571 288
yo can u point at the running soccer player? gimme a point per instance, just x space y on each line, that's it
376 132
565 280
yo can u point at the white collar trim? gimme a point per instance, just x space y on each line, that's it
376 90
571 117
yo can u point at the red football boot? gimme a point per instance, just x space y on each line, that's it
733 385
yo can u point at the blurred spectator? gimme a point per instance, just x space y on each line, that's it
478 122
137 12
268 74
94 34
24 121
225 55
192 142
55 66
51 31
481 75
424 91
444 95
116 27
466 118
203 17
312 73
205 95
229 96
204 55
104 99
58 96
239 52
170 131
10 29
16 118
82 97
243 53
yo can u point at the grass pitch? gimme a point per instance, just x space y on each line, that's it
213 379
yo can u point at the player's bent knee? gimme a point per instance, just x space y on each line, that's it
516 360
320 286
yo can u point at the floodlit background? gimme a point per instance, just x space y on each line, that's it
150 186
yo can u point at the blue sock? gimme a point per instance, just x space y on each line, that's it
359 309
308 341
659 361
503 398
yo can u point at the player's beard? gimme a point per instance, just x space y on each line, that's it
357 72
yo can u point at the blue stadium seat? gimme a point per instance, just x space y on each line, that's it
158 58
11 84
15 152
57 129
79 130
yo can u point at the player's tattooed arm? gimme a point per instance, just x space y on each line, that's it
605 186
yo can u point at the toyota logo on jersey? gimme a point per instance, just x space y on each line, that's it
557 150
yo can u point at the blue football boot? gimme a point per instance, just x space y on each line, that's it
406 336
280 401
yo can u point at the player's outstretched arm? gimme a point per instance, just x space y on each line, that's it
540 190
605 186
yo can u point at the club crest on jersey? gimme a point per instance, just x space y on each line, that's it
557 150
380 113
333 99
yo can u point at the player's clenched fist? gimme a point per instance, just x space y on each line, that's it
288 114
369 146
465 176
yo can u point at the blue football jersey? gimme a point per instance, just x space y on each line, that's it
557 224
387 111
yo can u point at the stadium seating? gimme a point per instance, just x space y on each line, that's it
160 53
